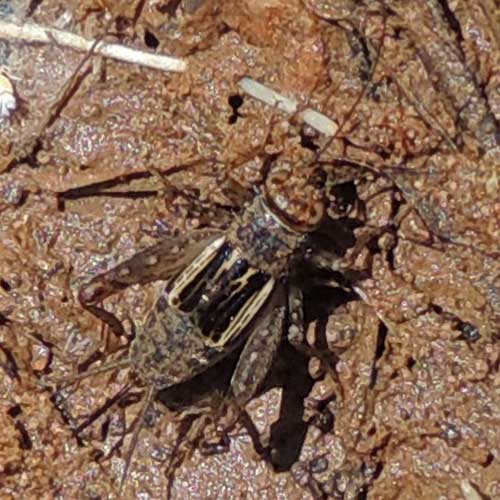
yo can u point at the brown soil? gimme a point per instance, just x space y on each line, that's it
407 404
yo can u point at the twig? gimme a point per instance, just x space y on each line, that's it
36 33
265 94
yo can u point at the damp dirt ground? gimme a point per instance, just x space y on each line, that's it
402 400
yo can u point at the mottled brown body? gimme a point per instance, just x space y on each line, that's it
172 345
224 289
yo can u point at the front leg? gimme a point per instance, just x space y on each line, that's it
297 336
159 262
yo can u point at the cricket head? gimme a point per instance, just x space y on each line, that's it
295 194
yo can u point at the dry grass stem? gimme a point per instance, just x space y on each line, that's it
36 33
265 94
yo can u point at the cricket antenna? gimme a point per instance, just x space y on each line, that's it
363 92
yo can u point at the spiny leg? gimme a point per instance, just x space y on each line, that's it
190 430
137 427
110 403
61 383
158 262
191 433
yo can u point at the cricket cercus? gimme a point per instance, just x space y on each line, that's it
225 289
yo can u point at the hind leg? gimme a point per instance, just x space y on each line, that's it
158 262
